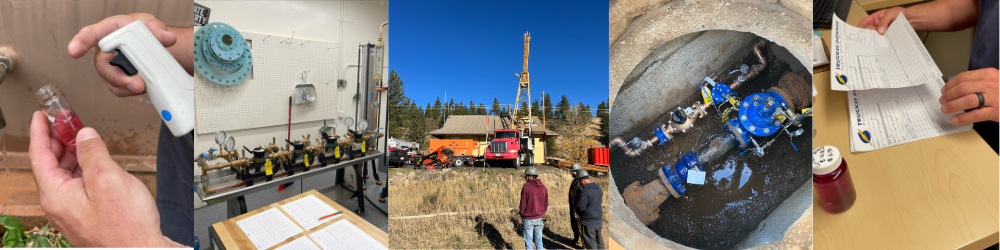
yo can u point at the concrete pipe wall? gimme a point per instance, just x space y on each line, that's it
693 39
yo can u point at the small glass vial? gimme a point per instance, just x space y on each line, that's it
64 124
832 180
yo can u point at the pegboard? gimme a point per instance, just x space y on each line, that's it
262 100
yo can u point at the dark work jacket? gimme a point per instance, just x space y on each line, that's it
574 190
588 205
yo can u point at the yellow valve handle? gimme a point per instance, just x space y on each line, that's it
307 160
336 152
267 168
363 147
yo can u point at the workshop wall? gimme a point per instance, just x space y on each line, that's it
347 23
39 32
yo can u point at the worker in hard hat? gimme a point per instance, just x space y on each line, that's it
574 190
588 206
534 203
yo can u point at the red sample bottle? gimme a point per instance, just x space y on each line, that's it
64 124
832 180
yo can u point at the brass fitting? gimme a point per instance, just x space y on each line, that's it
280 156
273 147
317 149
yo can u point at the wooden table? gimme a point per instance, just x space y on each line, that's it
870 5
230 236
937 193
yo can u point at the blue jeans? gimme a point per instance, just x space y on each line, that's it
533 232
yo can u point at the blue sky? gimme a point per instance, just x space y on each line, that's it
471 48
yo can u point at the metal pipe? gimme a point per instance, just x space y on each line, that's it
380 31
357 91
755 70
635 147
716 148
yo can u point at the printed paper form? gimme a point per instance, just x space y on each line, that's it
302 243
863 59
268 228
346 236
307 211
883 118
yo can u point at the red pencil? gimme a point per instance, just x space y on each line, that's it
331 215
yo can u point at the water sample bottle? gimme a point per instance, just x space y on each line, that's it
63 121
832 180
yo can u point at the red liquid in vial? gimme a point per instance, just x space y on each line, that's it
835 189
65 125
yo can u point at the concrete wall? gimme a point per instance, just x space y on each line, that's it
641 28
671 73
39 32
348 23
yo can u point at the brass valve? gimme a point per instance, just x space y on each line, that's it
305 140
281 156
237 164
273 147
344 143
317 149
370 134
230 155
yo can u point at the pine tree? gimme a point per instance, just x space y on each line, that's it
436 111
496 107
602 112
535 109
417 126
562 108
523 110
397 107
548 106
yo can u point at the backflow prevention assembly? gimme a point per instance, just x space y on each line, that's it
757 121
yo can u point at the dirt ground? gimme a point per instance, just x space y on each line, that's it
19 195
469 208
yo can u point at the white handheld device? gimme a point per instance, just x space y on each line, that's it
169 87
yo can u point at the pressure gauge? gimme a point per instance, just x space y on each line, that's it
220 137
230 144
363 125
349 122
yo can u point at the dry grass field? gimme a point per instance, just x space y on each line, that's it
470 208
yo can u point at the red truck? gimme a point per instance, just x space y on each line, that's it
509 147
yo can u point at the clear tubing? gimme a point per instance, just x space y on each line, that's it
63 122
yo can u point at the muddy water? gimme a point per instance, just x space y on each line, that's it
741 189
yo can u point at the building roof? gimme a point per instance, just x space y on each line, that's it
477 125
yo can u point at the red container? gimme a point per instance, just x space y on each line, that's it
832 180
597 156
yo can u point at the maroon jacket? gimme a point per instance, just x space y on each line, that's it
534 200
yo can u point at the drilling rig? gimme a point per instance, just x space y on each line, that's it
513 145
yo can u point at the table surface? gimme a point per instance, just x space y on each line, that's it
937 193
232 237
869 5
